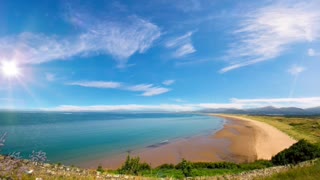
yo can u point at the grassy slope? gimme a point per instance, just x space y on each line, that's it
297 127
175 173
303 173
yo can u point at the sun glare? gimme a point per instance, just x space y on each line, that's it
10 69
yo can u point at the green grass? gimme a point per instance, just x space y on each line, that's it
206 169
307 128
303 173
176 173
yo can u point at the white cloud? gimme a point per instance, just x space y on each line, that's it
129 107
266 33
182 45
50 77
146 89
279 102
234 103
296 70
168 82
311 52
184 50
97 84
118 39
28 48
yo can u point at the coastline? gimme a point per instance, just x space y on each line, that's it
268 139
240 140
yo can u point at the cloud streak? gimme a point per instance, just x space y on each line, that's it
182 45
145 89
280 102
266 33
97 84
116 38
234 103
168 82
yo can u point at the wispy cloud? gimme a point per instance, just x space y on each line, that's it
129 107
168 82
97 84
120 39
29 48
266 33
234 103
146 89
296 70
279 102
182 45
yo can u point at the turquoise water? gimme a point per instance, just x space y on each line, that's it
73 138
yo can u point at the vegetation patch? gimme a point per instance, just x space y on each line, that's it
304 127
303 173
298 152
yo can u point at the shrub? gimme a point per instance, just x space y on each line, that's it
216 165
144 166
186 167
100 169
166 166
259 164
298 152
133 166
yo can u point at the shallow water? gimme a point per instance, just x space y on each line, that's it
73 138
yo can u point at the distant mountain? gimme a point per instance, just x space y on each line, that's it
268 110
315 110
224 110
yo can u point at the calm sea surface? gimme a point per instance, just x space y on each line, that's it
73 138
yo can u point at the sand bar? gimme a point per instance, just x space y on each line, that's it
241 140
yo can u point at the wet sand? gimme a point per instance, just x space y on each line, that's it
241 140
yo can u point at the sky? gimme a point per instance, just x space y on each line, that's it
158 55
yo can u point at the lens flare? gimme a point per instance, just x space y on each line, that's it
10 69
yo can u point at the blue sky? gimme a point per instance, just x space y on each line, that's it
159 55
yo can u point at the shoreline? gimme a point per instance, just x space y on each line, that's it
269 140
240 140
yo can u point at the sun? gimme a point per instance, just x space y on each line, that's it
10 69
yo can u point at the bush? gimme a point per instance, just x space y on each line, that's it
298 152
100 169
216 165
133 166
186 167
166 166
259 164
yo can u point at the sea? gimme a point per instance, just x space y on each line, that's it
73 138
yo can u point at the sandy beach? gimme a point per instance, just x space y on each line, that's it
268 140
241 140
